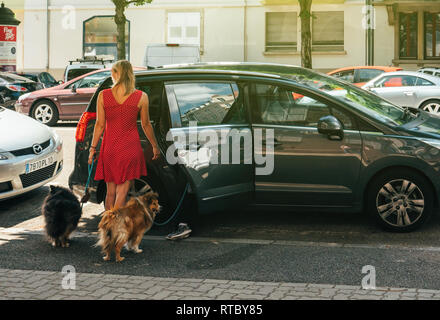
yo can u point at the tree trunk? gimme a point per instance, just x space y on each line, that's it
306 34
120 27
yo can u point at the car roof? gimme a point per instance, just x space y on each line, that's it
272 70
412 73
384 68
14 77
434 79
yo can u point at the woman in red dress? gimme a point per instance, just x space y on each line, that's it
121 158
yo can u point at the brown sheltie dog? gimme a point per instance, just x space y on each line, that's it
127 225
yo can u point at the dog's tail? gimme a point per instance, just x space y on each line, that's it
105 240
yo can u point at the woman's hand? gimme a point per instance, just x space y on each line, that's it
92 152
156 153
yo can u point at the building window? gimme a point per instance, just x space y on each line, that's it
281 31
432 35
408 35
100 37
184 27
328 31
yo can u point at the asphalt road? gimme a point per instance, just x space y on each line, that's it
237 245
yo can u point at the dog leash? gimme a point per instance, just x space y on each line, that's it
176 210
86 196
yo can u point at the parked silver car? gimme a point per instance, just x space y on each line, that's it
31 154
408 89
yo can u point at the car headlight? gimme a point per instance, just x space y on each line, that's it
23 96
3 156
57 140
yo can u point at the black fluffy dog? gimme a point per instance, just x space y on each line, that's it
61 211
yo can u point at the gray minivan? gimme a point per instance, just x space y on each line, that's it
334 146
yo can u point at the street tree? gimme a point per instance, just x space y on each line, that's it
120 20
306 35
305 15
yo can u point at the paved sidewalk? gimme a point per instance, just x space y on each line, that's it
43 285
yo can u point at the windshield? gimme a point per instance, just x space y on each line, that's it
359 99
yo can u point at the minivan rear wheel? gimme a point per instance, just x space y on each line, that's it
400 200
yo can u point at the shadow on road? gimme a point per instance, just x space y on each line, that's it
24 207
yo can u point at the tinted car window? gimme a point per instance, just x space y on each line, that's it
346 75
49 78
209 103
366 75
397 81
30 77
423 82
73 73
281 106
94 80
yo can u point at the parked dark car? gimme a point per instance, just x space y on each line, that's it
13 86
335 147
45 78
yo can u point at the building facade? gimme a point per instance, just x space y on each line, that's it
406 33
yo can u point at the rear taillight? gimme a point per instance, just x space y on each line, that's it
16 88
82 125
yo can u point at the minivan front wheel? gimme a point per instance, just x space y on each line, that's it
400 200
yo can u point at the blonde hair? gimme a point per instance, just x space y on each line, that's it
126 75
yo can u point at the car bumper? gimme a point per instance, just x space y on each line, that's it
15 181
23 108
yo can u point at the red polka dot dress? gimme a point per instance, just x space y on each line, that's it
121 157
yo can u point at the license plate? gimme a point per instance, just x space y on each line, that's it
39 164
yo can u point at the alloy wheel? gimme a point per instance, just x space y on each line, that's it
43 113
138 186
433 108
400 203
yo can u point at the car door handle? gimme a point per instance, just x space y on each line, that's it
409 93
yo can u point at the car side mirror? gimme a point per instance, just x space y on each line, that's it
331 127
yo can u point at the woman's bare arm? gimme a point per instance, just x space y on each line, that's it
99 127
146 125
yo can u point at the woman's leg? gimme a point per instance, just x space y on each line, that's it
111 195
121 193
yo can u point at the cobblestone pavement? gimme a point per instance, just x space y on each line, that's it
43 285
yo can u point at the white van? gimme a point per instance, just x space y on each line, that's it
161 54
78 67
